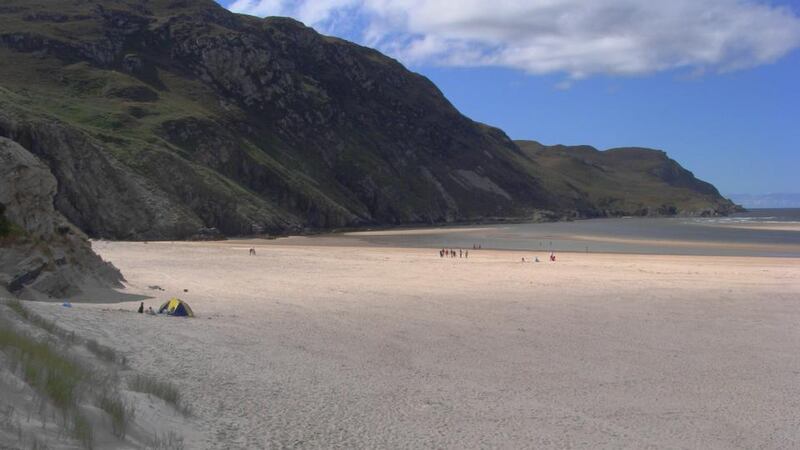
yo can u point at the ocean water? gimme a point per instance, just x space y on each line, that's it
721 236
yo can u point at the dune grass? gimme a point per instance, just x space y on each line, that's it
39 321
50 374
169 441
103 352
63 380
119 410
164 390
43 367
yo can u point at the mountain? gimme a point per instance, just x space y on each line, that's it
622 181
161 117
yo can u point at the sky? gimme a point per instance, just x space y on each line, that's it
714 83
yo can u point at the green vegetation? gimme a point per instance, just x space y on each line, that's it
119 410
164 390
103 352
8 229
39 321
5 225
44 364
306 132
623 181
170 441
49 373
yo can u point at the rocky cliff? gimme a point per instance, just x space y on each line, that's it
159 117
42 253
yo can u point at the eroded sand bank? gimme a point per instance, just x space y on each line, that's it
356 347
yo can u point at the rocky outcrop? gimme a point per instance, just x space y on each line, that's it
43 255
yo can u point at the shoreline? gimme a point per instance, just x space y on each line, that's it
244 244
484 223
615 235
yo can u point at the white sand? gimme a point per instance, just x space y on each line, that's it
330 347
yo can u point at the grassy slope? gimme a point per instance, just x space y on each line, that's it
620 181
93 100
289 184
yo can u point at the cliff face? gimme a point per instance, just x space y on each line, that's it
159 117
41 252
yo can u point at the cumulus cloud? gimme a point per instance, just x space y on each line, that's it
574 37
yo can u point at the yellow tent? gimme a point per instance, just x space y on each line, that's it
176 307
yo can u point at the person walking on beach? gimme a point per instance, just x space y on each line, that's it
460 253
141 308
466 253
252 251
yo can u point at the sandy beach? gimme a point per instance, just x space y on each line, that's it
363 347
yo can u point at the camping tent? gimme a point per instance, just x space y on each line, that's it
176 307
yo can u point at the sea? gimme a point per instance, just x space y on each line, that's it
757 232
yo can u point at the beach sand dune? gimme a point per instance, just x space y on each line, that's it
345 347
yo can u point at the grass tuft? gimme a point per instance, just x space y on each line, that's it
43 367
39 321
170 441
82 430
119 410
62 380
164 390
52 375
105 353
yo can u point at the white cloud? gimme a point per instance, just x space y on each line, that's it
578 38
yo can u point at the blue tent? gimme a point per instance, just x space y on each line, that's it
176 307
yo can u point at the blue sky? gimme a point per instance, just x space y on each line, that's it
713 83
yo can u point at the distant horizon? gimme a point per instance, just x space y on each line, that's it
724 104
774 200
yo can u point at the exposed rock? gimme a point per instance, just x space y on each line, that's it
160 117
44 255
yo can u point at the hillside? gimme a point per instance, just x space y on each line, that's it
622 181
160 117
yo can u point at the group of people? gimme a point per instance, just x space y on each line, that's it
451 253
149 309
461 253
536 258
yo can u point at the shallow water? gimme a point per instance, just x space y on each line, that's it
715 236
